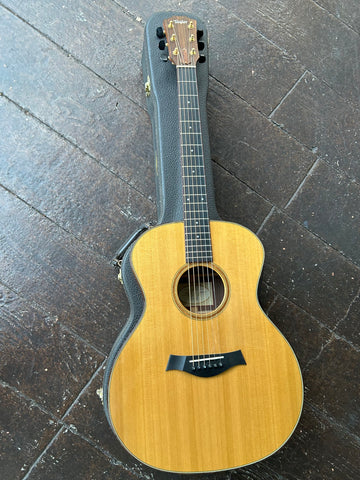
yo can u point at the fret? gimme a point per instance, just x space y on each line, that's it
204 244
193 175
197 211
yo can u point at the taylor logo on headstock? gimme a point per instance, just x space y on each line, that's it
181 37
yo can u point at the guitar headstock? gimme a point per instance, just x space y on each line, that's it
181 38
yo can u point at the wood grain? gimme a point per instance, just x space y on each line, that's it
176 421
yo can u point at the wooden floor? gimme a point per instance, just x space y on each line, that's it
77 177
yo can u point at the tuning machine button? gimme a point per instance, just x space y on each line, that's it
160 32
201 45
199 33
202 59
162 44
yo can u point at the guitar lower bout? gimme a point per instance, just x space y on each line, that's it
166 408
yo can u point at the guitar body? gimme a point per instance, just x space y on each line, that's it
176 421
199 379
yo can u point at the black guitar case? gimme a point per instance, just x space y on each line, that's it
160 87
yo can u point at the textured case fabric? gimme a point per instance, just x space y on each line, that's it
162 106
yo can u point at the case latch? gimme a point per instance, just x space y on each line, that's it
117 260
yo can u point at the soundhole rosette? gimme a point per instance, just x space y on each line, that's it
200 290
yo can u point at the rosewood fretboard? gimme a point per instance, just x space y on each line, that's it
196 213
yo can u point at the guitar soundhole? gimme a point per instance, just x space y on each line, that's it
200 290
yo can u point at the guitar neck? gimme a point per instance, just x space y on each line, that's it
195 200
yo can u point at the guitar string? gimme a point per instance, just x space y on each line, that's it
191 208
199 232
191 89
196 233
185 213
200 196
183 186
207 236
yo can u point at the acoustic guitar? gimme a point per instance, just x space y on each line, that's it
201 380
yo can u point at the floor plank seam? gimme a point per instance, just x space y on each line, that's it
81 339
53 222
283 211
41 309
242 182
64 425
302 309
301 184
136 18
349 101
264 115
84 152
341 172
265 220
336 18
31 303
83 390
288 53
113 460
319 237
357 296
48 446
32 402
312 149
251 27
288 93
318 355
275 299
70 55
330 419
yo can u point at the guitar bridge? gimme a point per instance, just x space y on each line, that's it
205 365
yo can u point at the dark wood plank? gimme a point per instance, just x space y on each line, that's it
308 272
322 120
348 11
297 325
319 41
253 149
72 457
328 204
236 202
40 358
349 326
25 430
76 103
101 36
88 417
66 185
46 265
333 383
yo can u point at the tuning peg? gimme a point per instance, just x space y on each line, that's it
160 32
162 44
202 59
201 45
200 33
